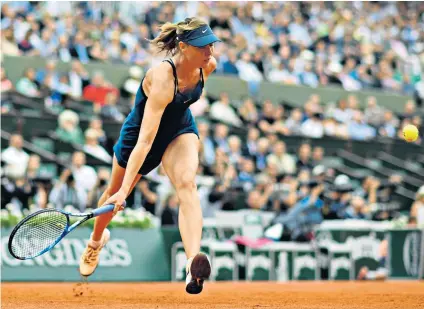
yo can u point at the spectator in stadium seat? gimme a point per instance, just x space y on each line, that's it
313 127
110 110
98 90
49 70
169 215
267 117
229 66
144 196
279 73
358 129
63 52
85 176
246 176
308 77
234 154
98 53
342 113
15 157
79 48
46 46
285 162
261 154
201 107
140 55
250 147
294 122
409 109
68 129
67 192
220 137
17 190
97 125
25 45
93 148
373 113
257 200
249 72
207 152
6 84
221 110
417 208
103 176
317 155
335 128
78 79
248 112
388 127
304 157
27 85
358 209
221 24
8 44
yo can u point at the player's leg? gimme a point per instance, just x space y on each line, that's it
100 235
180 162
117 177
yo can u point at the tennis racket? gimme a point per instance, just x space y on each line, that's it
41 231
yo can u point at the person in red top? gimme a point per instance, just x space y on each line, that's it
97 91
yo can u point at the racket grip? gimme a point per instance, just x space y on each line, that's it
105 209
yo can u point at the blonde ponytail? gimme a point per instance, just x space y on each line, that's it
167 38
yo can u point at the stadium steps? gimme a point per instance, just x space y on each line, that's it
44 143
67 148
420 160
393 162
30 126
45 155
355 161
332 161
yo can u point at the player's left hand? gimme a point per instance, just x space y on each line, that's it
118 199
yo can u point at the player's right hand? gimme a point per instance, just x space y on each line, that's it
118 199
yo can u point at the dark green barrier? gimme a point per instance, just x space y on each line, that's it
130 255
15 67
298 95
406 254
364 243
236 88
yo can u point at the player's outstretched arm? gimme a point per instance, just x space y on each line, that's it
160 95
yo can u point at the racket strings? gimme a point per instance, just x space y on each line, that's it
38 233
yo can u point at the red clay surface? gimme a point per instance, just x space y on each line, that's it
294 295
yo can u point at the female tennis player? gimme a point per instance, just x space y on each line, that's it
161 128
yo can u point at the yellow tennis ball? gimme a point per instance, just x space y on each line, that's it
410 133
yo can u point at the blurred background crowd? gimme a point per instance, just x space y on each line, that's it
355 45
358 45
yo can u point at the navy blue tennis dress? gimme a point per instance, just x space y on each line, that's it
176 120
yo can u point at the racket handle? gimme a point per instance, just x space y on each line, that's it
105 209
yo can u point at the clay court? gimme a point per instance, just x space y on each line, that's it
308 295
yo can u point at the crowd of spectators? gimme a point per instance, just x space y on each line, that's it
292 43
358 45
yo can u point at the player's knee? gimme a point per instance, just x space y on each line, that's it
186 180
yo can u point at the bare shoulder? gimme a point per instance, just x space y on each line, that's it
161 83
210 66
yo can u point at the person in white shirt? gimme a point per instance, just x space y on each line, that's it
313 127
85 176
14 156
234 155
93 148
247 70
221 110
285 163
